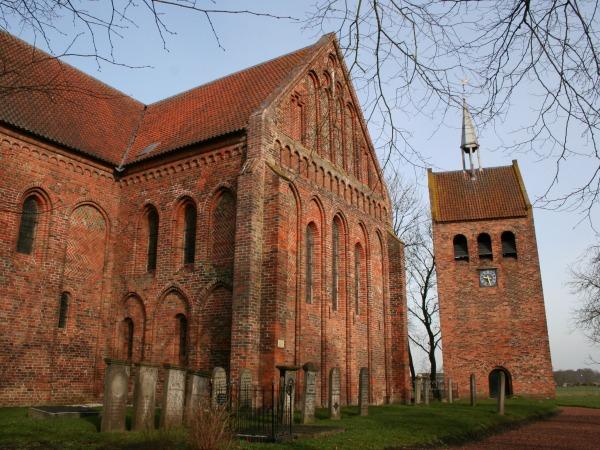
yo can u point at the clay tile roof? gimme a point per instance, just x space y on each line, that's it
49 98
497 192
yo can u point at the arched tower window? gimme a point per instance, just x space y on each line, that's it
29 221
509 245
484 246
335 261
189 234
182 326
152 219
461 250
63 310
310 251
128 331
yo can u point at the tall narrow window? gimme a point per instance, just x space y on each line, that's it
461 251
357 276
128 330
310 250
335 264
189 235
29 220
152 239
509 245
484 246
182 325
63 310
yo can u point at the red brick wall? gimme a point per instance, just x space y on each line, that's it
255 195
488 327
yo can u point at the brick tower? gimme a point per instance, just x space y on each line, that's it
489 283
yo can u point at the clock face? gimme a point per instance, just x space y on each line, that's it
487 277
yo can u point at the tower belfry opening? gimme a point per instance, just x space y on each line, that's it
469 144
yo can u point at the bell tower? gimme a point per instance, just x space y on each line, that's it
492 310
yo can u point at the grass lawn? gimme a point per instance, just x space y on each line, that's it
386 426
587 396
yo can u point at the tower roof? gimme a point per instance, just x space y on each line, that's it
498 192
469 135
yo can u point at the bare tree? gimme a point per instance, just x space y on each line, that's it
585 281
413 225
410 55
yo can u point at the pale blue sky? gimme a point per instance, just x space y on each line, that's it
193 57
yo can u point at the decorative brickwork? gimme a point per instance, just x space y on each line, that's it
213 248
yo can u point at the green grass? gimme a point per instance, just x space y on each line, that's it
587 396
386 426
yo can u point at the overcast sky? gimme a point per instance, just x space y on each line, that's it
193 57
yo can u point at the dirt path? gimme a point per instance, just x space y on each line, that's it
573 428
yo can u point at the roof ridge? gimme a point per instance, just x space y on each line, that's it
224 77
461 170
35 49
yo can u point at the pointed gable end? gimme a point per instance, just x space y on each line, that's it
320 109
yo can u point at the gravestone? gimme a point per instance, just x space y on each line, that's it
116 379
310 392
449 390
473 388
334 394
501 393
363 391
246 392
287 390
144 397
219 387
426 388
196 394
418 384
171 415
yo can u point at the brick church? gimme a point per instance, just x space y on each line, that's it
489 284
243 224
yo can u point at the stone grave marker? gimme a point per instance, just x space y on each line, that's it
219 387
473 389
310 392
426 388
287 389
171 415
144 397
245 394
334 394
449 390
418 384
116 379
195 393
501 393
363 391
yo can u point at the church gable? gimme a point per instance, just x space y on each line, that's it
321 111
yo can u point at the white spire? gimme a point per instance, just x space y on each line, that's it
468 142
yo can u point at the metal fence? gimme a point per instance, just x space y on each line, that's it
258 413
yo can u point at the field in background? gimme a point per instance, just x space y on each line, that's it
587 396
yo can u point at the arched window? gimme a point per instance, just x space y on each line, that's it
310 250
63 310
128 330
484 246
152 239
335 264
461 251
29 220
357 278
182 325
509 245
189 234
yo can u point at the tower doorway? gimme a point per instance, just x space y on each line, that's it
494 380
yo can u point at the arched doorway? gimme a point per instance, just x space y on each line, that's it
494 379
